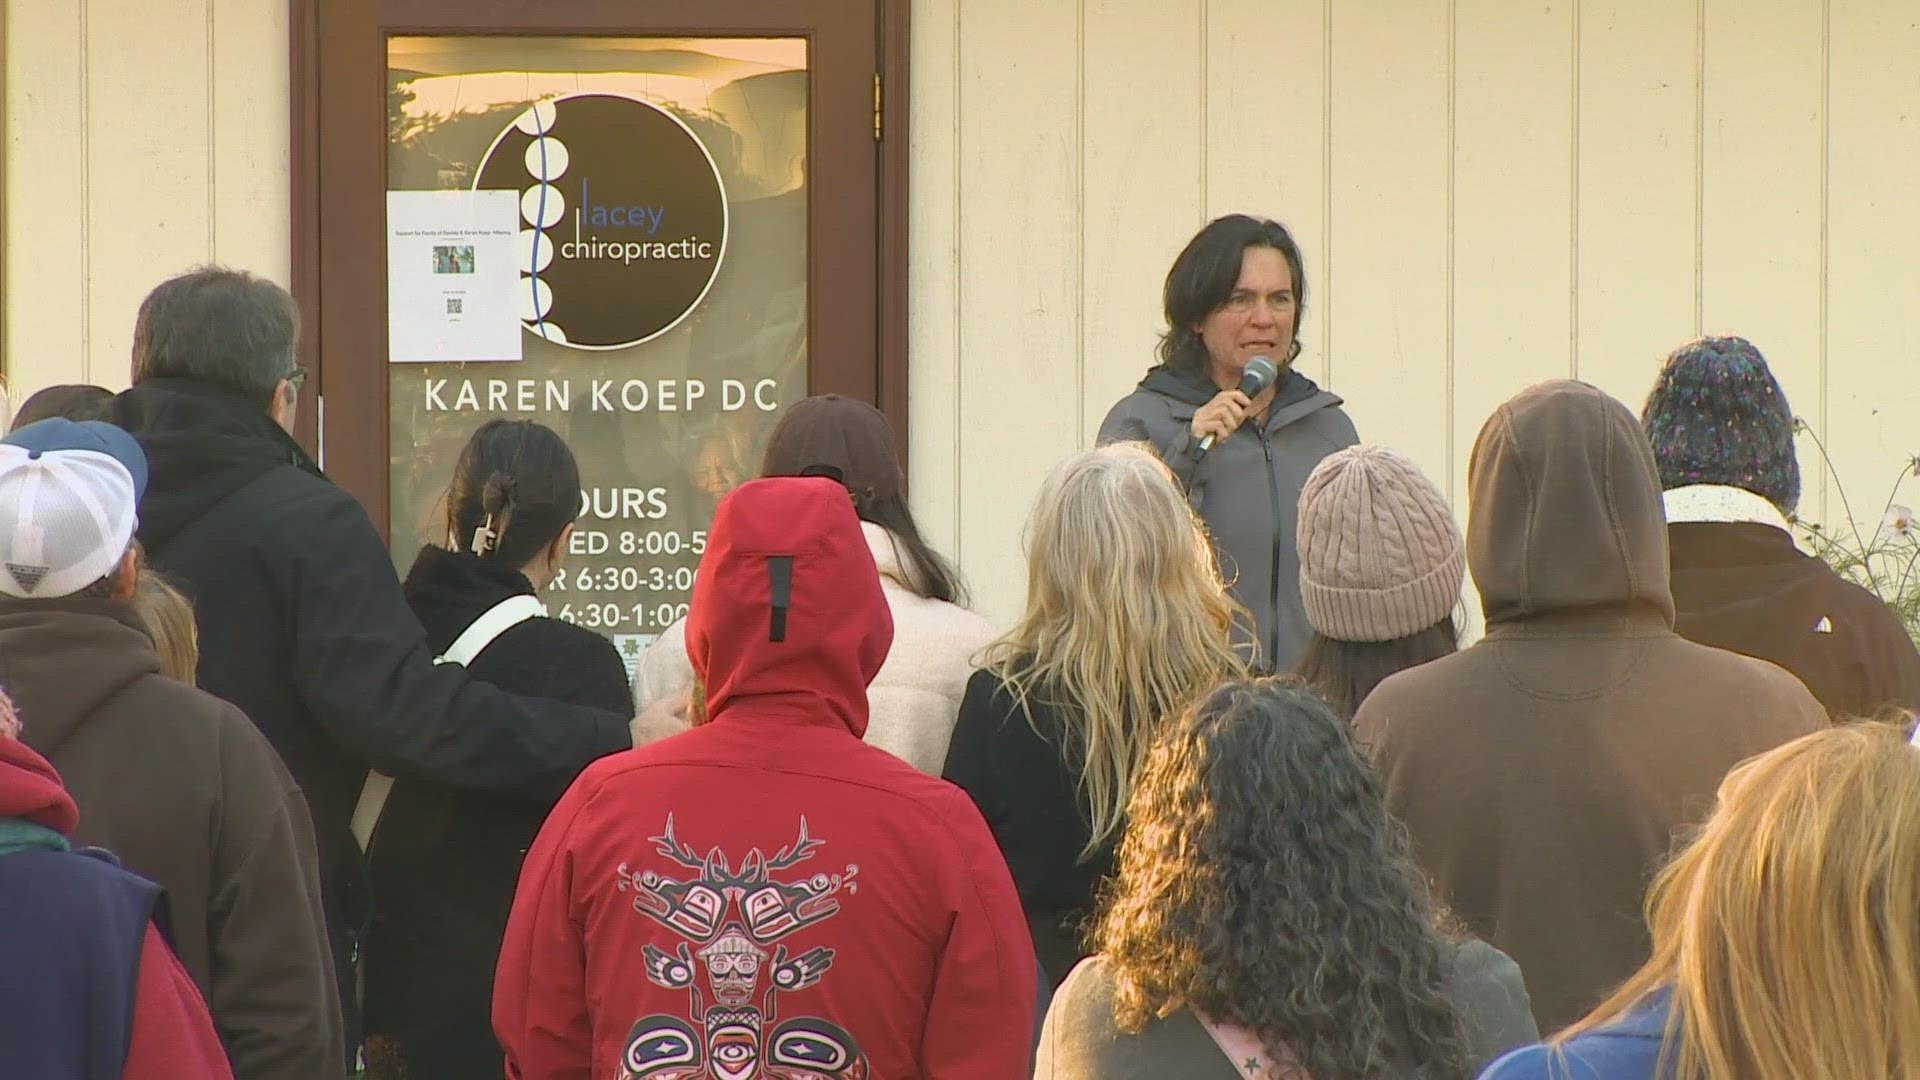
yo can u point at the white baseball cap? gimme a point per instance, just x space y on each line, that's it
68 498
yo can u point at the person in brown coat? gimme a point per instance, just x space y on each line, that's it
175 782
1544 771
1722 434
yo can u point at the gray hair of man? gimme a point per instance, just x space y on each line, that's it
225 327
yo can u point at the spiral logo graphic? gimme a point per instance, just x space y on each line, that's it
623 218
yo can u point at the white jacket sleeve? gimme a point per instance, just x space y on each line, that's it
663 671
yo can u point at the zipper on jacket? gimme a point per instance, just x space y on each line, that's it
1273 571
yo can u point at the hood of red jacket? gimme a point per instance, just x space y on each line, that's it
787 616
31 789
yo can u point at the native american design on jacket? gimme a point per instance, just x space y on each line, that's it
734 963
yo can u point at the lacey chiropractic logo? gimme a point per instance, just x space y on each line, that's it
625 218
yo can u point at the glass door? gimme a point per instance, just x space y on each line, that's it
607 236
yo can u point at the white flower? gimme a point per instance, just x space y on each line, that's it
1899 521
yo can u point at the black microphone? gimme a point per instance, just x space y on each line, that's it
1259 375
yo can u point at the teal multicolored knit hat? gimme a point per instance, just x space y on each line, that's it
1718 416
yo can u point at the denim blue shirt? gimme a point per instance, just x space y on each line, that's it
1626 1049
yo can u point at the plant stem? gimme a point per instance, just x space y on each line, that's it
1901 589
1827 460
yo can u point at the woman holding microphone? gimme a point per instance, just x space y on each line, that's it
1240 434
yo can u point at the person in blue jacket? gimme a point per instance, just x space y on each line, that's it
1786 934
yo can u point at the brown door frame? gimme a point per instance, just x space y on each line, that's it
345 328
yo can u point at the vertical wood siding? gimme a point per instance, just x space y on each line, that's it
1487 193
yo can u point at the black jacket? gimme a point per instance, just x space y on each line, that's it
1029 795
445 862
1745 587
303 625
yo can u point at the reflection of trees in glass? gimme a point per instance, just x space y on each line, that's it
421 168
402 126
438 150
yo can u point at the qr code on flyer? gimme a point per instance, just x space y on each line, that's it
453 305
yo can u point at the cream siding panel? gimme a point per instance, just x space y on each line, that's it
1510 231
1020 188
1143 153
1873 279
169 123
933 274
1386 283
1512 213
150 193
251 135
1266 123
1761 190
46 222
1636 74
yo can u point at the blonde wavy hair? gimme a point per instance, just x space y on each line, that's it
170 622
1789 928
1127 621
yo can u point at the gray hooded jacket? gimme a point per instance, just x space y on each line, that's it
1246 489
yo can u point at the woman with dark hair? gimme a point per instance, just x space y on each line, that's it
916 695
444 863
1381 566
1238 292
75 401
1267 921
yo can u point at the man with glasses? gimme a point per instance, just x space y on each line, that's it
302 621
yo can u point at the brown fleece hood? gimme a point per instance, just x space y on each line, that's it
1565 511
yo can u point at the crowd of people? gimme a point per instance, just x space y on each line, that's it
1228 799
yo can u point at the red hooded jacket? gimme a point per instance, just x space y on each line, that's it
767 896
171 1035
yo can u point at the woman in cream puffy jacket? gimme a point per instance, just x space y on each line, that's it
916 696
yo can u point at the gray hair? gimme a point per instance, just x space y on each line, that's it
220 326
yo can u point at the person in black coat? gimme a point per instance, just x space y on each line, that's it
302 622
444 861
1723 437
1127 621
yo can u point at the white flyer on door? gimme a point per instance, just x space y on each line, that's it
452 276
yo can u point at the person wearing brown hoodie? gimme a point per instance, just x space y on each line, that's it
91 989
175 782
1544 771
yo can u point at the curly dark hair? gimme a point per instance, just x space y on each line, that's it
1263 882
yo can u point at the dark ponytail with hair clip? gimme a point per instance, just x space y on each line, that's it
516 487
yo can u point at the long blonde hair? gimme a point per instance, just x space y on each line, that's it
1127 621
1789 928
170 622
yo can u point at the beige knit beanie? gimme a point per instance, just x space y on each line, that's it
1380 554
